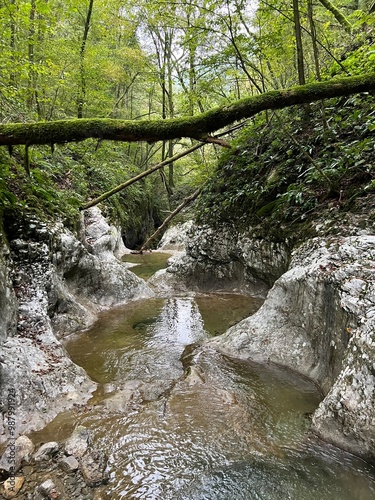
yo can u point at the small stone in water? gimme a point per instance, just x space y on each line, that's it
93 466
79 442
46 451
48 489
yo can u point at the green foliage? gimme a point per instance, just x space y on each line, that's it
151 60
62 181
275 175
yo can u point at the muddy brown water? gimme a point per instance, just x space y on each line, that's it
180 421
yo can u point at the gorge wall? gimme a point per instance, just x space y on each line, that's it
223 259
317 319
52 284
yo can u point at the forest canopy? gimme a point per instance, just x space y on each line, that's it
172 72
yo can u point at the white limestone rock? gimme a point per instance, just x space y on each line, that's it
318 319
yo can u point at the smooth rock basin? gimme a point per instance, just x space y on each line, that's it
178 420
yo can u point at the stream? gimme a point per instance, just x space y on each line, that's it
179 420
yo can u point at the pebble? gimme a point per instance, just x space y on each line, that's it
48 489
46 451
12 486
68 464
79 442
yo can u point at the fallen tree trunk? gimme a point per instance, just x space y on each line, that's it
196 127
177 210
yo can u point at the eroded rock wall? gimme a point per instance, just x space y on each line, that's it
227 259
318 319
8 301
57 287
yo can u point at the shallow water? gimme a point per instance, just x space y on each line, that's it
180 421
146 264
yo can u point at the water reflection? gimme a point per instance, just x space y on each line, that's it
189 423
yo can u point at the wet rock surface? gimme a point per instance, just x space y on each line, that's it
224 259
8 300
318 319
15 455
46 451
53 286
70 471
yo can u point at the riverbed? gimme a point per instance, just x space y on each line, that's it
178 420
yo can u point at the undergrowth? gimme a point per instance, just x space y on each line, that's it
59 182
288 166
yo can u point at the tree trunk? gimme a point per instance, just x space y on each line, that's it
196 127
140 176
171 184
129 182
32 90
12 76
310 15
297 31
82 91
240 57
165 224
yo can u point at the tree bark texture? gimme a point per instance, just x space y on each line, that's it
299 45
196 127
82 91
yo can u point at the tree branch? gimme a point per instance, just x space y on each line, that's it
196 127
212 139
143 174
338 14
165 224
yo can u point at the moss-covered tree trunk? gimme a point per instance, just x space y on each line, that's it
197 127
338 14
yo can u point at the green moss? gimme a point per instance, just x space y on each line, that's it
197 127
61 182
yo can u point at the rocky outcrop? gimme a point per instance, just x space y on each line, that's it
176 237
101 238
318 319
59 287
225 259
8 301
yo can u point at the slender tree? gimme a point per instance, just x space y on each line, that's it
299 45
82 90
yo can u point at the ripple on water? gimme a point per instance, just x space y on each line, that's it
201 426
